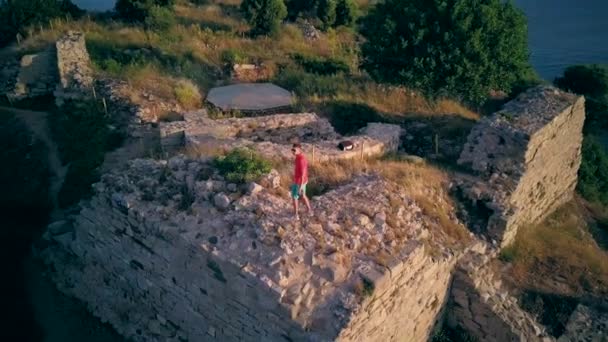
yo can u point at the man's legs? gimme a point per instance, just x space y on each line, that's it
295 196
307 202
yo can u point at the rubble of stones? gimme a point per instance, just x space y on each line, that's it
253 227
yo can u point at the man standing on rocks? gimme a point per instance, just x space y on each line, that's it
300 179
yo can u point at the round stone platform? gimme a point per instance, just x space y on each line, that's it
250 97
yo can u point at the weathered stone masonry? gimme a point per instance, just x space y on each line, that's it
528 155
233 267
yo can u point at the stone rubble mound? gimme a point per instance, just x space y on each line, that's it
188 255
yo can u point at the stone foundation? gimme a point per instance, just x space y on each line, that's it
75 74
527 156
168 251
273 135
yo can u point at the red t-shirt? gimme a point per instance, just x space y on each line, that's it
301 170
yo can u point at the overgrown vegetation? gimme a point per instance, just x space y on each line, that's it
264 16
17 16
242 165
81 130
591 81
593 172
458 48
559 255
141 10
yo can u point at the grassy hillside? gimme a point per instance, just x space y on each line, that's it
206 40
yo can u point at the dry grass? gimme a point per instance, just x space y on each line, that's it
205 33
399 102
187 94
425 184
559 255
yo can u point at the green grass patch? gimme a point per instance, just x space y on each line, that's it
242 166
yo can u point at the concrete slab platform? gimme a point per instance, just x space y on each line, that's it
250 97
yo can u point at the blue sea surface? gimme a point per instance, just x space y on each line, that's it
561 32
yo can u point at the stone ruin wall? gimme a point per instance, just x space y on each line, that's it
144 276
73 64
157 288
407 301
528 155
36 76
62 70
272 135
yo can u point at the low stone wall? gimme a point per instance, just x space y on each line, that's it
37 76
75 74
527 156
273 135
169 251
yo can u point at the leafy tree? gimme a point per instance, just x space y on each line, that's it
326 11
298 7
160 18
139 10
459 48
264 16
17 15
592 82
346 13
593 173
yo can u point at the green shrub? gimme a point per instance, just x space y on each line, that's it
321 66
457 48
264 16
17 15
232 56
305 84
592 82
347 118
326 12
346 13
296 8
160 19
242 165
593 173
139 10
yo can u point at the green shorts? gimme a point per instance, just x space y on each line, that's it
295 194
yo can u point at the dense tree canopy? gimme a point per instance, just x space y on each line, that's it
591 81
139 10
17 15
264 16
458 48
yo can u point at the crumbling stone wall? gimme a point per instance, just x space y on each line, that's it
169 251
73 63
37 76
273 135
527 155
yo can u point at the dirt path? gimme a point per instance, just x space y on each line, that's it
37 122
